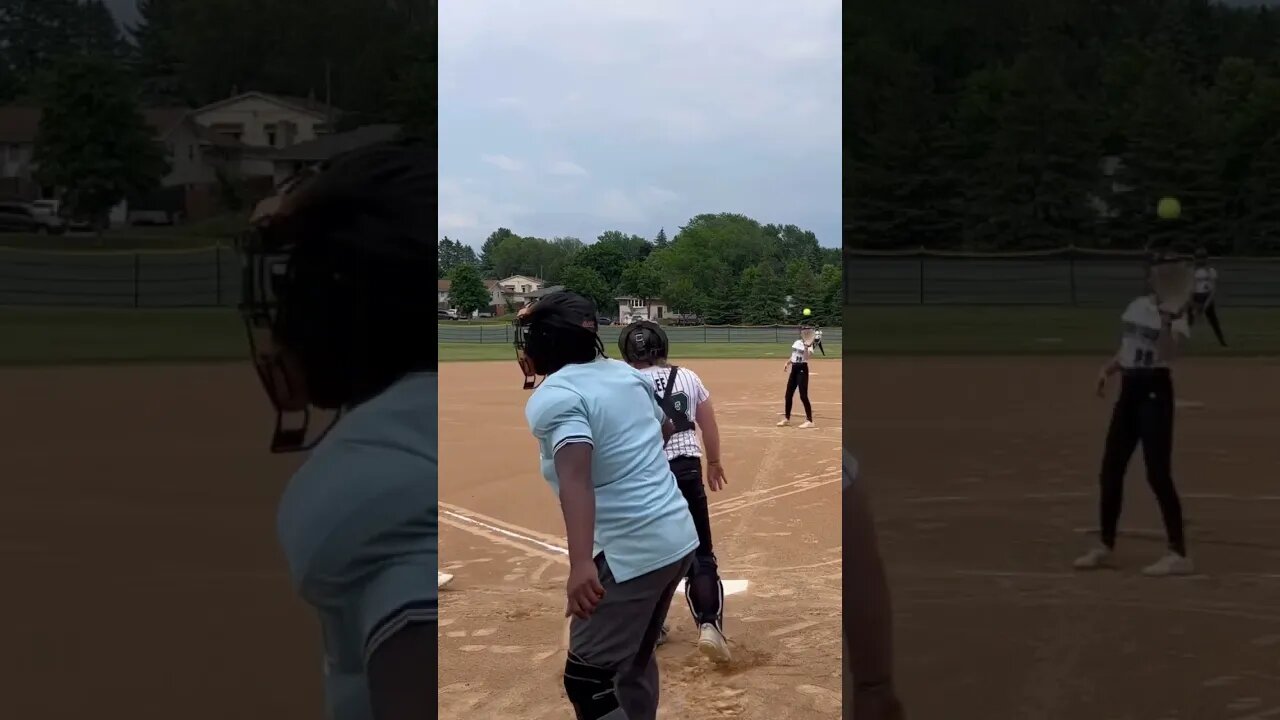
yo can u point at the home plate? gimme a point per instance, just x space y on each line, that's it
731 587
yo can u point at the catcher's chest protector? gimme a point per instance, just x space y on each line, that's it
677 413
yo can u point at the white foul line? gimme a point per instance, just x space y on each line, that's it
508 533
731 587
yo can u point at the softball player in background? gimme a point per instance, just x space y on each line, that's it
631 539
868 624
687 403
817 341
797 368
1143 413
1202 302
334 303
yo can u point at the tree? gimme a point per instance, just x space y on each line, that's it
660 242
467 292
356 54
681 296
724 305
452 253
93 142
34 34
588 283
763 296
641 280
829 310
607 260
802 287
490 244
156 59
415 95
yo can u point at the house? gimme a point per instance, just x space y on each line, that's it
514 292
289 161
264 123
631 307
443 301
192 152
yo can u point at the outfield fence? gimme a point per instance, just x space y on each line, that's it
1068 276
202 277
461 332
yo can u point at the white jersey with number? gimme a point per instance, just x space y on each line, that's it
799 352
1139 342
1206 280
688 393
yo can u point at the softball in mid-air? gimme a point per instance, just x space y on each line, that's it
807 312
1169 208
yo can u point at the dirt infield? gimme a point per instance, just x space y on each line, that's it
777 526
983 473
137 526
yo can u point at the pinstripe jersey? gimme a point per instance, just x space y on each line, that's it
688 393
1139 342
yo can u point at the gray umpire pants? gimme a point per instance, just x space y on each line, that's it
622 634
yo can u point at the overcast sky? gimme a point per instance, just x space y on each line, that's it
572 117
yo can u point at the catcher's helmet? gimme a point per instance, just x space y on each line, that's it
543 328
332 269
643 341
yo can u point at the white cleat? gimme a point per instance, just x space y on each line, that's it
662 635
711 643
807 424
784 422
1171 564
1099 557
443 579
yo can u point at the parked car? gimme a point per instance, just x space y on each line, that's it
18 217
604 320
46 213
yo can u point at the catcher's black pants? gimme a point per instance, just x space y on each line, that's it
799 379
1143 413
702 588
1201 304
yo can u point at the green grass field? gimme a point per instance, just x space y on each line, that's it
57 336
1035 330
454 352
90 336
54 336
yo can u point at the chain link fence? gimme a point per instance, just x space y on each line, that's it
463 332
1067 276
206 277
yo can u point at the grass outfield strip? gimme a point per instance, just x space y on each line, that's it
91 336
94 336
457 352
1036 330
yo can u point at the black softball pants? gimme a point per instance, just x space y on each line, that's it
1201 304
1142 414
702 588
799 379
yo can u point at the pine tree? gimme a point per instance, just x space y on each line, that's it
155 53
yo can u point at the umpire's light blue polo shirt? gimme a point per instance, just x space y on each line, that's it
358 528
642 520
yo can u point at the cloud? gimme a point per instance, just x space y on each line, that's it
723 105
567 168
502 162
